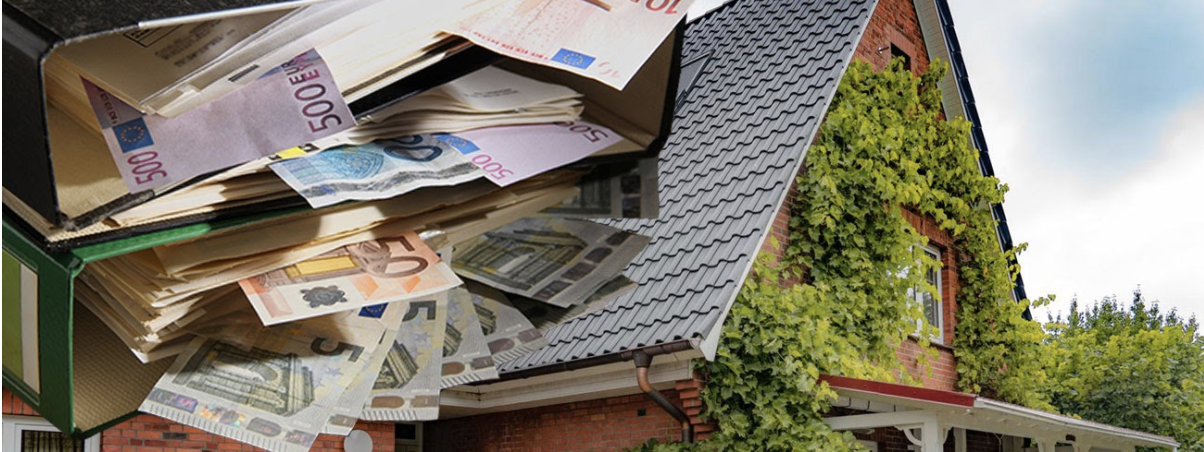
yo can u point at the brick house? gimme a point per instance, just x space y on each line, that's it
756 80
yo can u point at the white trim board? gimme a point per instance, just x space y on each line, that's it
609 380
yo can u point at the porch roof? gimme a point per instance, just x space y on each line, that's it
908 407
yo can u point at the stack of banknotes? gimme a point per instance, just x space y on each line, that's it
431 240
375 330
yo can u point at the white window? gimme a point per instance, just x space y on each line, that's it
932 305
34 434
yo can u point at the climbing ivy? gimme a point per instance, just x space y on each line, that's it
884 147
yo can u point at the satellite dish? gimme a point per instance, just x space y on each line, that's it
357 441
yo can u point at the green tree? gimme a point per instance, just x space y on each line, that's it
1133 367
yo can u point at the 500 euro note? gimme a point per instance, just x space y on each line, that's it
607 41
351 277
294 104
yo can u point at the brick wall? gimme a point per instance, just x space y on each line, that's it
147 433
604 424
894 22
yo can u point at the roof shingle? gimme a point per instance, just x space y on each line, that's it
738 139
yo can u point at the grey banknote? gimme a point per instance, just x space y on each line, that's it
629 194
553 260
407 388
545 316
351 403
279 393
377 170
508 333
466 356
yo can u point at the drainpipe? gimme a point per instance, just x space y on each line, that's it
642 361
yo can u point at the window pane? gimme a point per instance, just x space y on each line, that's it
930 310
40 441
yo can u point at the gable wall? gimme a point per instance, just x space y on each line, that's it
895 22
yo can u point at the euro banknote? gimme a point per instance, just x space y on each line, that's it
294 104
407 388
466 356
631 194
350 277
279 393
377 170
553 260
508 333
347 411
513 153
607 41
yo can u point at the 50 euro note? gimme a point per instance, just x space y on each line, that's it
349 277
293 104
377 170
466 356
556 261
407 387
605 40
278 393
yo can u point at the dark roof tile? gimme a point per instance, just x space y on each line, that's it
738 138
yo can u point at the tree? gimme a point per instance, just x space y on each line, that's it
1136 368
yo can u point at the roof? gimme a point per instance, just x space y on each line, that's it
769 70
956 409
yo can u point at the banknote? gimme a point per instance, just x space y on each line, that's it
380 169
553 260
631 194
351 277
508 333
608 44
466 356
545 316
489 97
345 414
510 154
279 393
487 90
291 105
408 386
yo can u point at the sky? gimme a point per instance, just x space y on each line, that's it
1094 117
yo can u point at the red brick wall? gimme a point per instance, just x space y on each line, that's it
147 433
894 22
941 371
604 424
14 405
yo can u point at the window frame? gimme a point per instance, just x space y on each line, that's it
15 425
939 301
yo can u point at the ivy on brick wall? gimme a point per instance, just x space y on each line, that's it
884 146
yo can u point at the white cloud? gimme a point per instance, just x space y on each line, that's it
1146 228
1095 227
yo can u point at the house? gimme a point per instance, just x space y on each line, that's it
755 84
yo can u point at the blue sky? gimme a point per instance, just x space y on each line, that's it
1094 114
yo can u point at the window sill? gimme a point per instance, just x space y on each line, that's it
933 344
